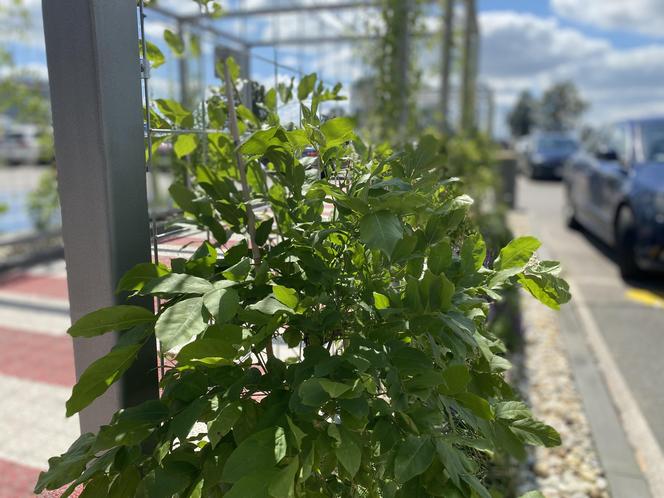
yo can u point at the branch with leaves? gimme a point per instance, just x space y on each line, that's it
400 390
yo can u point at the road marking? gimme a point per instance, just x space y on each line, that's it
646 297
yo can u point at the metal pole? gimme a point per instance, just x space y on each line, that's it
448 41
94 77
183 72
468 80
404 67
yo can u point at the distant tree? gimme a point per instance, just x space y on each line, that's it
23 94
561 106
522 118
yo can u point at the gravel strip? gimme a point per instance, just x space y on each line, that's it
571 470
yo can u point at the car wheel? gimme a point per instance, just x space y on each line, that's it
625 240
570 212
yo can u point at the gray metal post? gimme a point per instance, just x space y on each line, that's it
448 40
404 54
94 76
469 80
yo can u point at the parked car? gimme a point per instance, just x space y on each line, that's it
544 154
26 144
616 191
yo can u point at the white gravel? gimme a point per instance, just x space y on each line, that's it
571 470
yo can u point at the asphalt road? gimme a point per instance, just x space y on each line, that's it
629 315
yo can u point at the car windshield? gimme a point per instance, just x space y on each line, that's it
652 136
556 144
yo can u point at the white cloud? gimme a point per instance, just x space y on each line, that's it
522 51
527 44
642 16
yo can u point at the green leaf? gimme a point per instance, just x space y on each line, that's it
169 480
546 288
260 141
125 484
263 231
298 433
477 486
184 421
113 318
239 271
348 451
473 252
381 230
224 422
155 56
136 278
270 100
99 376
208 351
381 301
535 432
269 306
180 323
285 295
306 86
185 145
456 378
512 410
254 485
338 130
517 253
175 42
413 458
131 426
183 197
454 461
65 468
440 257
175 112
316 391
479 406
222 303
259 451
177 284
283 483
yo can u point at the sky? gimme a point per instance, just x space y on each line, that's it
612 49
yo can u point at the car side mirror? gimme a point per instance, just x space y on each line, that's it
606 154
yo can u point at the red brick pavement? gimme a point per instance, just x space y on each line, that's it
16 481
37 357
42 286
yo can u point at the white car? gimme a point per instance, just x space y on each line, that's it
26 144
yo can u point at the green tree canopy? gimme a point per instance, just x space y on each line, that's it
523 117
561 106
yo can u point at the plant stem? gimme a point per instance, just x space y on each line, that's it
246 196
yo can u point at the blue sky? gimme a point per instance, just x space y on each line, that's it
612 49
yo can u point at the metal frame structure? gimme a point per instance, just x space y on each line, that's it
95 81
94 78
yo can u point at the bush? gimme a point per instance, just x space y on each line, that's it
400 389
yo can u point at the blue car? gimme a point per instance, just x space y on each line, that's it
616 191
545 154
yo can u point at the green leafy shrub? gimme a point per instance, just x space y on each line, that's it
44 201
399 390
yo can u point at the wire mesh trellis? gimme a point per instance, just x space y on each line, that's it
266 59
